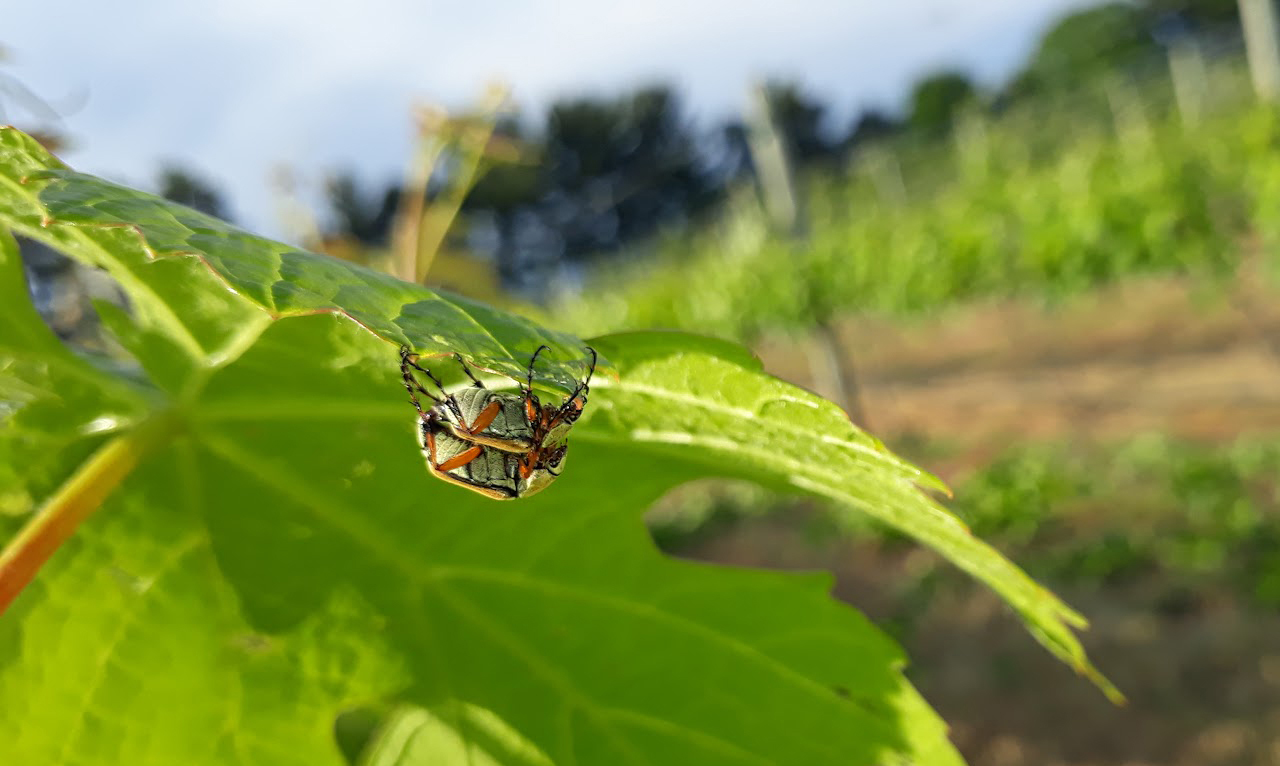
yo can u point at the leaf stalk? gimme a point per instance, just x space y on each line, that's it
82 494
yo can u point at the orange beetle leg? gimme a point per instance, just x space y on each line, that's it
461 459
486 417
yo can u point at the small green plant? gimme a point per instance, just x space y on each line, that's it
1188 516
230 551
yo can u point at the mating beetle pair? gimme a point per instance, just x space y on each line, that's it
503 445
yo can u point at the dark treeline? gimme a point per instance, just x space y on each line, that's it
601 174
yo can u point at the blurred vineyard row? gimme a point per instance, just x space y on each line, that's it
1051 199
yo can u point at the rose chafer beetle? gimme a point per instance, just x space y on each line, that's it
476 424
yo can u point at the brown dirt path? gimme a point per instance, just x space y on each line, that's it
1148 356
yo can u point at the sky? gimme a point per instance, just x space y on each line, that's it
232 89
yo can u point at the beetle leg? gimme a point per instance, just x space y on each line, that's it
532 360
495 493
585 386
573 406
592 369
411 383
533 407
457 461
467 370
408 360
430 422
429 445
460 459
526 466
448 401
485 417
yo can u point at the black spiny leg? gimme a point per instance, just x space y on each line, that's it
532 360
411 384
566 410
467 370
592 369
531 403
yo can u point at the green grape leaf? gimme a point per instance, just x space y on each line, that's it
130 648
55 407
449 733
158 251
281 524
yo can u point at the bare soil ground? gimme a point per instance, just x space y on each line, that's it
1161 355
1154 355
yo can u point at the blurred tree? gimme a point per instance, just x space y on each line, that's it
617 170
185 188
597 175
508 186
726 154
937 99
356 214
504 200
871 126
1200 12
798 117
1084 44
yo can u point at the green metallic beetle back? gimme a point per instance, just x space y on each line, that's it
509 431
